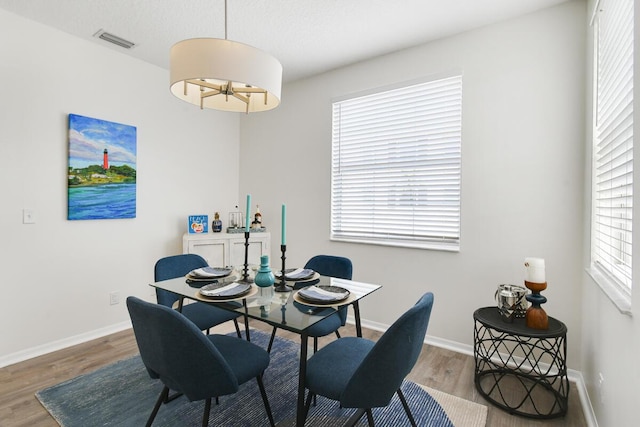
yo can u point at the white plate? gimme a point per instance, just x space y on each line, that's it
225 291
296 274
209 272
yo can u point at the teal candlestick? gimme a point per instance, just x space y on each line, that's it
247 220
284 225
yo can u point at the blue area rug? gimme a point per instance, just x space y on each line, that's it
123 394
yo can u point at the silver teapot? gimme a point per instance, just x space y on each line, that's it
511 301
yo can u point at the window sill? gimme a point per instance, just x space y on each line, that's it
617 297
402 244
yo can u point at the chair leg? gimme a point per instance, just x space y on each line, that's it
315 350
338 334
235 323
370 417
168 398
307 406
267 407
273 336
356 417
163 395
406 408
207 410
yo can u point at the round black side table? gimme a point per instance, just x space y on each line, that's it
519 369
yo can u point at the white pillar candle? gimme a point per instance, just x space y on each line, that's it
534 270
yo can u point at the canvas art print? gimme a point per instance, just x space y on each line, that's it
102 169
198 224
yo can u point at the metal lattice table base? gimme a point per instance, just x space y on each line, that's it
519 369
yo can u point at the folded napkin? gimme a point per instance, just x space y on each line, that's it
298 273
317 293
210 272
229 290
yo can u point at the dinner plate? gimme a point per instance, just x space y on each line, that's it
209 273
323 294
295 274
225 290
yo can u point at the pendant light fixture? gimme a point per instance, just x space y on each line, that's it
225 75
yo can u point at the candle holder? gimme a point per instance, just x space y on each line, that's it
536 317
283 308
245 271
282 286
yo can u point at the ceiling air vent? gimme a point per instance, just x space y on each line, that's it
114 39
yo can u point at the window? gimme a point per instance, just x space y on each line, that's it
396 166
611 245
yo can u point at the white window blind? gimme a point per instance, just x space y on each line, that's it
613 142
396 166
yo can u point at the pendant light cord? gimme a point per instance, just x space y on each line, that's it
225 19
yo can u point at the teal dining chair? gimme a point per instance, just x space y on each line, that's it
205 316
363 374
332 266
196 365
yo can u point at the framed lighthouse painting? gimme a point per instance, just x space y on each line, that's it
102 169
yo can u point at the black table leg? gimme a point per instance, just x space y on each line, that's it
356 313
302 374
246 318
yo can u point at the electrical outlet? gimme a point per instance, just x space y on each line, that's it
114 298
28 216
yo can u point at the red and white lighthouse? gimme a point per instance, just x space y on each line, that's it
105 160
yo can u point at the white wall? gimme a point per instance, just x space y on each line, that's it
522 171
611 340
56 274
524 140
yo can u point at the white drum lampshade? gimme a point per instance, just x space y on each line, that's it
225 75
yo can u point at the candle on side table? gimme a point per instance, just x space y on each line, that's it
534 270
534 279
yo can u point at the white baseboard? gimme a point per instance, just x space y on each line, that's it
32 352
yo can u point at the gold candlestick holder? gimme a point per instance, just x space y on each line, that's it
535 316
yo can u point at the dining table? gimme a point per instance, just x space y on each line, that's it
286 310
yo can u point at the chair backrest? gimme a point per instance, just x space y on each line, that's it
390 360
171 267
176 351
331 265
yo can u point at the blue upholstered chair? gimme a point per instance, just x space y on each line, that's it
332 266
199 366
363 374
205 316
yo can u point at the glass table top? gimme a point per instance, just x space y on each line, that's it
282 309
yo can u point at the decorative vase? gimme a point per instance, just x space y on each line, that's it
511 301
216 225
264 276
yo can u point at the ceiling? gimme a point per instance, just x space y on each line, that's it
307 36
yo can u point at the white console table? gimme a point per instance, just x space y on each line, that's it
227 249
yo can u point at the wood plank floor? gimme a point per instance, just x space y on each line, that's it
438 368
